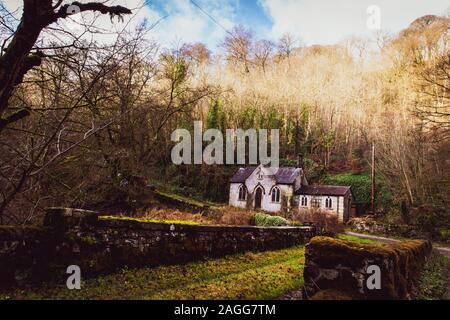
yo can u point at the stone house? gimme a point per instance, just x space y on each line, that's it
260 188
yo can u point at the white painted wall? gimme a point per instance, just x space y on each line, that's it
268 205
337 205
234 196
266 183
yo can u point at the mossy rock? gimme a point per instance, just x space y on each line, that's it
341 265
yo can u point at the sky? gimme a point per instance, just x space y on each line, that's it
313 21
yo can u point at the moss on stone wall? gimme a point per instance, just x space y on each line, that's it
340 265
103 245
146 220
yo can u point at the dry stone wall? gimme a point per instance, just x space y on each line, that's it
77 237
337 268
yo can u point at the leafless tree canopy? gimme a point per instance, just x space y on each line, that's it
287 44
237 47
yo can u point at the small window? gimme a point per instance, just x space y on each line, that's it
329 203
242 193
304 201
276 195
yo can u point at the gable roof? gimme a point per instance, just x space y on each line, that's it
242 175
323 190
283 175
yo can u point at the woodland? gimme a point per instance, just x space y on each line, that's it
87 123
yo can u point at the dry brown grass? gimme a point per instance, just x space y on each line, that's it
225 216
237 217
173 214
326 221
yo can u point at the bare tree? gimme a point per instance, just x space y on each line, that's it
98 117
18 57
433 107
238 47
263 52
287 44
198 52
56 92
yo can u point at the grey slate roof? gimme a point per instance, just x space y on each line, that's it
242 174
287 175
323 190
283 176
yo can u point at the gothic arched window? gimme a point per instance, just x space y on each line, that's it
242 193
276 195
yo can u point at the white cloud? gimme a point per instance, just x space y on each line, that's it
187 23
315 21
327 22
182 22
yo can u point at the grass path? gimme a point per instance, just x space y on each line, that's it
258 276
353 237
443 250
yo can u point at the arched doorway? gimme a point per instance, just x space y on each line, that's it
258 198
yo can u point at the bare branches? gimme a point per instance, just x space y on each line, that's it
16 59
238 45
286 45
263 52
433 108
113 11
93 117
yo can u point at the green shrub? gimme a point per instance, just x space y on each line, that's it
361 185
265 220
362 188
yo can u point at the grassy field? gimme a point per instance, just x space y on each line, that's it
252 276
258 276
